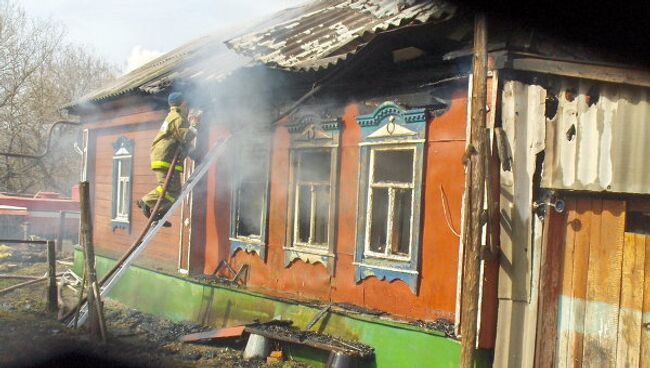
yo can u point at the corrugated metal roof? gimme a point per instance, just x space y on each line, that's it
205 59
202 60
330 31
308 37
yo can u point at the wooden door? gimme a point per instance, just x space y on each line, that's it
598 301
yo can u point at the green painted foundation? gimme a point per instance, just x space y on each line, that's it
182 299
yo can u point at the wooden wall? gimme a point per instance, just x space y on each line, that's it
138 121
437 294
595 290
440 247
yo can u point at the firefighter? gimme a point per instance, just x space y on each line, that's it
177 131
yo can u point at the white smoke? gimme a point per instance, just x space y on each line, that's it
139 56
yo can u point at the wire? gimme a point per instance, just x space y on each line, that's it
445 209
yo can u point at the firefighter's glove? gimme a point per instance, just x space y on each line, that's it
195 118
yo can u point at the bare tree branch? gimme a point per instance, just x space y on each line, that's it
39 73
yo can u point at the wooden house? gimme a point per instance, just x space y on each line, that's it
355 198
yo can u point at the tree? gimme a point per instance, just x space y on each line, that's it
39 73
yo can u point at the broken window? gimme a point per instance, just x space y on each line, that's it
248 202
250 207
121 182
389 201
391 154
312 197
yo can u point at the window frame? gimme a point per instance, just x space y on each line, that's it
123 152
390 128
250 244
389 220
311 132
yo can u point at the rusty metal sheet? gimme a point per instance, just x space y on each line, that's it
327 32
599 140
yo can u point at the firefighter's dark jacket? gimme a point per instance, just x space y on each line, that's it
174 132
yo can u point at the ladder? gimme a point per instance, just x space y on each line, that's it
210 158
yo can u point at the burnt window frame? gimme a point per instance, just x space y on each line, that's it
123 151
256 244
390 127
310 132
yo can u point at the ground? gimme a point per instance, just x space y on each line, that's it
31 337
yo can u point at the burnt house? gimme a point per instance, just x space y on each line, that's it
356 197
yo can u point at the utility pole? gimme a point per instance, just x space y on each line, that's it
475 183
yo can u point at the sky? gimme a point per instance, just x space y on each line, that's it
129 33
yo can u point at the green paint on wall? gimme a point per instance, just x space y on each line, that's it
179 299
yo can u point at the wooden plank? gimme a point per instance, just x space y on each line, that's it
629 320
645 332
219 333
553 238
564 299
586 71
476 178
582 228
604 286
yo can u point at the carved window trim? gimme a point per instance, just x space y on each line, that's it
250 244
123 149
312 133
390 127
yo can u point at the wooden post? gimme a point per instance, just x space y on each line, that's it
94 324
52 294
61 233
476 177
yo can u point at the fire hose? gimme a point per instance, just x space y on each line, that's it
135 245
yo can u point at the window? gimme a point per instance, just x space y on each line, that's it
390 200
390 180
312 203
312 189
248 202
121 182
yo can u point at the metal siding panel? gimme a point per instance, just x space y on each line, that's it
611 143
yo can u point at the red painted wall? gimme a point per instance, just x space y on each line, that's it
139 123
443 180
437 294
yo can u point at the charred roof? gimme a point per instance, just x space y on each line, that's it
310 37
328 32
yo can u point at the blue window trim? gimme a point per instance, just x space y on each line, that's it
390 126
122 143
309 132
257 246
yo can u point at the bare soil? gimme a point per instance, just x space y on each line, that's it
31 337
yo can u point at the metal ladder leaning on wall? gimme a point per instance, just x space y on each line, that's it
210 158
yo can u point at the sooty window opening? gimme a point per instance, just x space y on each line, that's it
312 190
248 206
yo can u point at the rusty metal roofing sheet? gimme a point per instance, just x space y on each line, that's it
329 31
600 140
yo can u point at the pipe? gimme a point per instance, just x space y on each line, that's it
26 283
18 241
47 143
